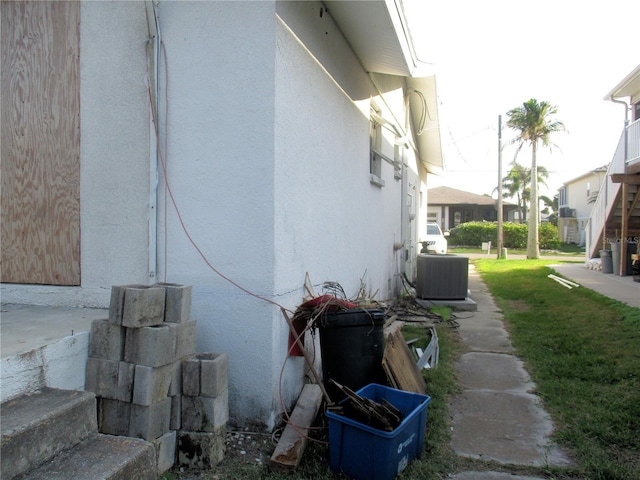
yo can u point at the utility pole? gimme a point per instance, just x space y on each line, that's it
500 219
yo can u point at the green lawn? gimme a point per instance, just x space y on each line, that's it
583 352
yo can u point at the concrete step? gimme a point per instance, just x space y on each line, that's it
101 457
37 426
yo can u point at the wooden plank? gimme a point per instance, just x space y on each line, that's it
40 114
288 452
400 366
628 179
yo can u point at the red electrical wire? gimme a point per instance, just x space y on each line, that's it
173 200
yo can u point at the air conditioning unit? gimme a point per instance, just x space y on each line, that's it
442 277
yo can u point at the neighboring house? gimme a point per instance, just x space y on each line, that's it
615 217
284 147
575 201
450 207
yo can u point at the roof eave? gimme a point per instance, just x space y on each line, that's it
628 87
378 34
423 105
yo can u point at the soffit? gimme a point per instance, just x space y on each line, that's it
628 87
377 33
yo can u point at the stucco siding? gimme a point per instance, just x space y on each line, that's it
220 164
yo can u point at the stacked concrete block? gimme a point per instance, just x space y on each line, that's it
135 366
205 410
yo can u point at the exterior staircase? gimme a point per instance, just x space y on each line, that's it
606 224
52 434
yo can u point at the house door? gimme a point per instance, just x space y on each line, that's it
40 154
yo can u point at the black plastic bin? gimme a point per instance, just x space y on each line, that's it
352 347
607 263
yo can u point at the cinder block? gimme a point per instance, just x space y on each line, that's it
165 447
191 376
185 338
176 413
201 450
150 346
204 414
151 384
102 377
143 307
214 377
150 421
106 340
205 374
113 417
126 373
116 303
176 378
177 308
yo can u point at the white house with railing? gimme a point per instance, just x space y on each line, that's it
576 198
615 217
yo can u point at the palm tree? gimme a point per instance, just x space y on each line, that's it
514 184
517 184
533 122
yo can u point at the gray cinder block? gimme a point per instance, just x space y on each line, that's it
113 417
204 414
143 307
152 384
185 338
201 450
150 421
176 413
165 447
106 340
102 377
126 373
191 376
177 302
176 378
150 346
116 303
205 374
214 379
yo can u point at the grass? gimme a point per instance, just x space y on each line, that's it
564 249
583 352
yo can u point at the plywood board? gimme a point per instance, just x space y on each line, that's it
400 366
40 155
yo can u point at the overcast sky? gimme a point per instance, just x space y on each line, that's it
491 56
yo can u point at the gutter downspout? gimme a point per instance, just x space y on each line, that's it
153 44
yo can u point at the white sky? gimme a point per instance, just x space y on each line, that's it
491 56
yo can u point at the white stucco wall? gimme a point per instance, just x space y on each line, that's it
267 158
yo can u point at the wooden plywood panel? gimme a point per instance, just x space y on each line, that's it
40 114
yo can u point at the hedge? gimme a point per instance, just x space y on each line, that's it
514 235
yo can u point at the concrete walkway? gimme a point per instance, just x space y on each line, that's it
496 417
624 289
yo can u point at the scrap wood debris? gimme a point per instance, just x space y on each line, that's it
383 415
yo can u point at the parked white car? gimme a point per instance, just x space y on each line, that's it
435 242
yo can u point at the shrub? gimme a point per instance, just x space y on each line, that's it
514 235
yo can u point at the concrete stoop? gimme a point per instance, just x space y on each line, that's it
52 434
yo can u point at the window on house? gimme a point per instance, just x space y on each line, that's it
562 197
375 135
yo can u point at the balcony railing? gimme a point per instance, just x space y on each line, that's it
606 200
633 142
